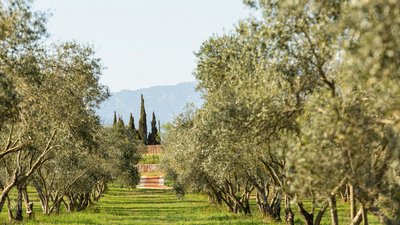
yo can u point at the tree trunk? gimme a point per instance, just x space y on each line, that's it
244 200
346 194
218 197
214 195
6 190
262 202
227 201
352 202
56 204
42 194
65 204
309 217
321 214
289 215
18 214
10 214
236 208
364 215
276 206
44 202
332 205
71 202
259 204
86 201
28 205
357 218
3 199
102 188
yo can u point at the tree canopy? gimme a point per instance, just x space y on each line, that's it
299 104
51 137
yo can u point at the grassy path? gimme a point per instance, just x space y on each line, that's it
143 206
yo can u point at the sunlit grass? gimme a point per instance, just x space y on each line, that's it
140 206
150 159
153 173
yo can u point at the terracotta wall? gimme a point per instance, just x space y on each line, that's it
154 149
145 168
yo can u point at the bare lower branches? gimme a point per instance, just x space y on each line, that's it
11 146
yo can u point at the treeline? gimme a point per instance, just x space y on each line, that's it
301 104
51 138
153 137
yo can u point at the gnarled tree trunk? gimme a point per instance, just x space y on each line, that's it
309 217
18 213
289 215
332 205
28 204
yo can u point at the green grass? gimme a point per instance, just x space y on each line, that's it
150 159
139 206
153 173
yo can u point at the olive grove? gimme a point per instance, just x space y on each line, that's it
300 104
51 138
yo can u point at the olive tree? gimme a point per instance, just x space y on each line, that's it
50 93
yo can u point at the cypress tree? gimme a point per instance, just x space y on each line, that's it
119 126
115 119
131 126
120 122
153 136
149 139
158 137
143 122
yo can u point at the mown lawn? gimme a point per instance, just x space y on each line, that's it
138 206
150 159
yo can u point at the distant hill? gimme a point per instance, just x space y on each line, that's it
165 101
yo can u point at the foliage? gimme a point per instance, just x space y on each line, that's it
122 154
298 104
51 138
154 136
150 159
142 122
131 127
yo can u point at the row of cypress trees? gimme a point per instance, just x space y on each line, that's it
151 138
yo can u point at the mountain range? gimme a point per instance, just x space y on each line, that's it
164 101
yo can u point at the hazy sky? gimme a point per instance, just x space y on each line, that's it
142 43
